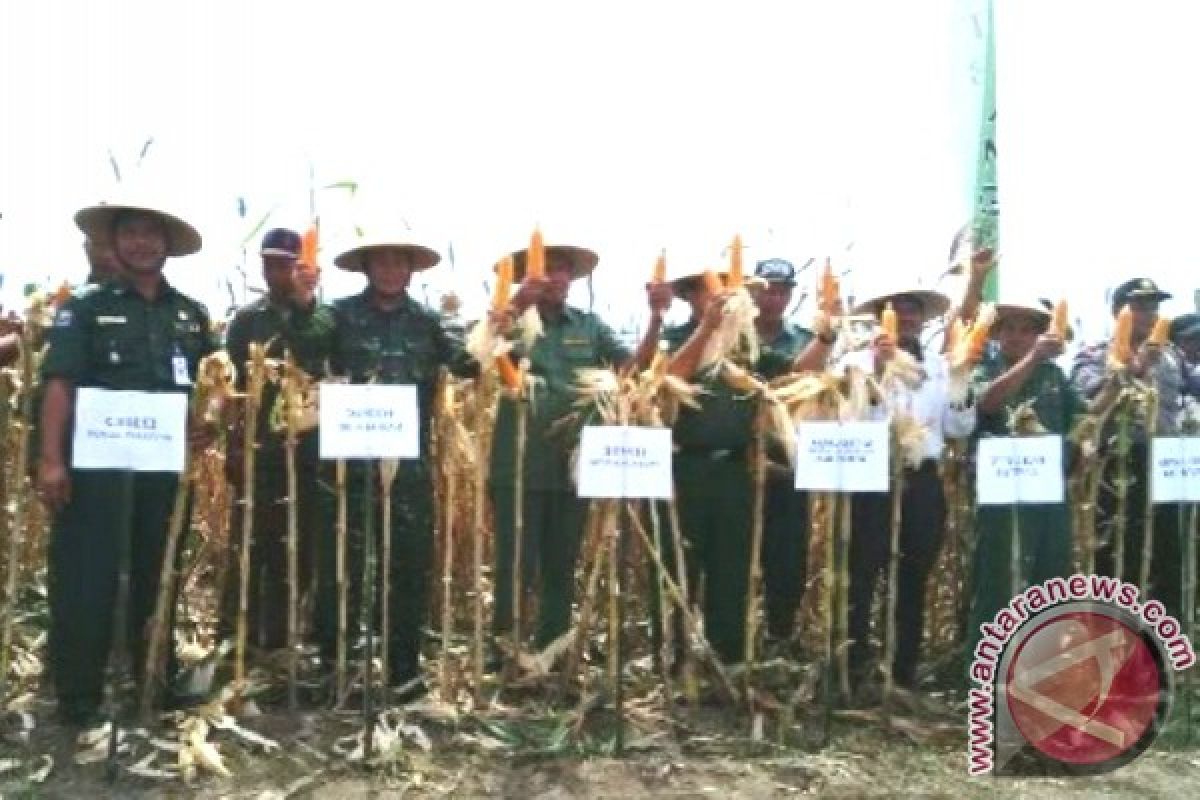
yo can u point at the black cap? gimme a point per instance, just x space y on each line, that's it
280 242
1137 287
776 270
1185 326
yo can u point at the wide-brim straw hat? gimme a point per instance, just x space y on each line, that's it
1022 308
933 303
355 259
96 223
583 261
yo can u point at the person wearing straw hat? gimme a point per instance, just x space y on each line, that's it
386 336
135 332
784 347
553 516
283 321
1023 375
923 504
714 491
1154 365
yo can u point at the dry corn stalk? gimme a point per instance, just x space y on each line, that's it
256 377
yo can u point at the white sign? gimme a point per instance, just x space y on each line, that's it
369 420
620 461
139 431
1025 470
1176 471
842 456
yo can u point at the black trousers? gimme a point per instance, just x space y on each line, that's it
1166 555
411 562
83 566
784 553
268 601
922 525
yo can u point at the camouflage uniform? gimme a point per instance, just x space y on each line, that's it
308 335
110 337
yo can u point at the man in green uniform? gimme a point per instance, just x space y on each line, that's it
553 517
136 332
1022 372
782 343
714 491
283 322
384 335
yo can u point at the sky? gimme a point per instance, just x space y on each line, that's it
843 130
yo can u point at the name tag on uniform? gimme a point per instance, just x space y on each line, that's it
107 320
179 366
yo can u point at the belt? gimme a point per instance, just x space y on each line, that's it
719 454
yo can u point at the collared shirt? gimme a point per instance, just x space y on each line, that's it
777 355
307 333
109 336
405 345
725 418
573 340
1055 400
1090 373
930 403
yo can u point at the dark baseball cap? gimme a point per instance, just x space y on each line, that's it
1185 326
776 270
1136 287
281 242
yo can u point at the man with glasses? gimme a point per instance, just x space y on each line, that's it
1156 366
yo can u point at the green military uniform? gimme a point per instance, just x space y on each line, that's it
110 337
553 518
1045 530
406 345
307 333
714 496
785 511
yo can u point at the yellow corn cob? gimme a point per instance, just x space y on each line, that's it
535 262
828 290
1058 324
509 375
712 282
504 279
1120 349
736 277
660 268
1161 332
887 321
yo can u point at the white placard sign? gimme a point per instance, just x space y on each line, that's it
1025 470
621 461
1176 472
842 456
369 420
121 429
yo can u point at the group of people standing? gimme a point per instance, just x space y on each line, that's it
129 329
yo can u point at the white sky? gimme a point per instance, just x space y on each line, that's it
626 126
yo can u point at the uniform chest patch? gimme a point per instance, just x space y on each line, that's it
63 318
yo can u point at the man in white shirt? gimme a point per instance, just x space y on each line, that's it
923 506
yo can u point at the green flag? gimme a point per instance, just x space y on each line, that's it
986 214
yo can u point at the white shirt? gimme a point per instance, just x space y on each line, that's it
930 403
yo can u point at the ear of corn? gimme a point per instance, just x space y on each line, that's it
504 279
535 261
308 248
828 290
888 322
1120 349
1058 322
712 282
736 276
1161 332
660 268
509 375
